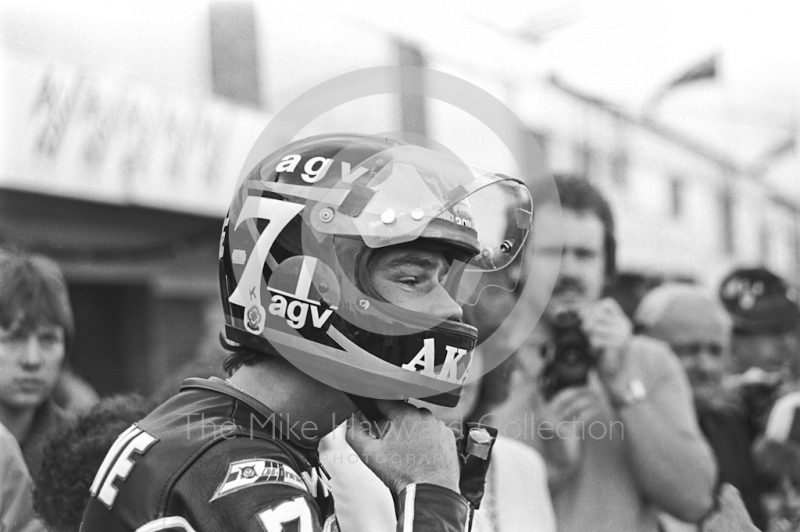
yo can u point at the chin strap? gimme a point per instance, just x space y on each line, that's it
475 451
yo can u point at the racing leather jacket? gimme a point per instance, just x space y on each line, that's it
213 459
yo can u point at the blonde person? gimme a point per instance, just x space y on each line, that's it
697 328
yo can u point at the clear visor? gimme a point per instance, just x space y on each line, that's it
412 193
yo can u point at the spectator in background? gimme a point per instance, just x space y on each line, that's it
766 318
605 480
71 393
777 456
765 343
36 331
698 330
73 455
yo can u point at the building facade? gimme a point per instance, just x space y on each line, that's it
124 134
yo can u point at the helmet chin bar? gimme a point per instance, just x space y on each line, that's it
369 408
421 365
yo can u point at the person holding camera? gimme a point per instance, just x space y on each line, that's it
613 412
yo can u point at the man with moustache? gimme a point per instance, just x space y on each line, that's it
625 444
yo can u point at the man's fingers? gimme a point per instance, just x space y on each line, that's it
391 409
580 408
360 429
563 398
570 394
573 402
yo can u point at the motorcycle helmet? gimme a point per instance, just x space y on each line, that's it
304 228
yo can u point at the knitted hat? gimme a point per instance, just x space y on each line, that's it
759 302
675 312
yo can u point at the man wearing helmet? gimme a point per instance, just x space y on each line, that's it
343 262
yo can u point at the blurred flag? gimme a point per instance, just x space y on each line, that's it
703 70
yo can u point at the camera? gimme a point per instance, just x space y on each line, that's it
568 361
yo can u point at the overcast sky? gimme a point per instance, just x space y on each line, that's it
625 50
622 50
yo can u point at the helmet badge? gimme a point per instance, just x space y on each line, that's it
255 319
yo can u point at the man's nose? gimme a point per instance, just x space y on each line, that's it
705 360
569 263
443 306
31 355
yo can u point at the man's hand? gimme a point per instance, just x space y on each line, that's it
410 446
564 415
609 331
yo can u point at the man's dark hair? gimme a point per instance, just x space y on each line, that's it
241 355
33 292
579 195
74 453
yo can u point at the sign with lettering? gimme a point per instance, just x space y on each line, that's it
70 132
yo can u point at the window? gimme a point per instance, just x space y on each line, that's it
620 163
584 155
536 159
677 191
234 52
726 201
764 236
412 106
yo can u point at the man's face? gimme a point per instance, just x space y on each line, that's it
582 275
30 363
770 352
703 353
412 277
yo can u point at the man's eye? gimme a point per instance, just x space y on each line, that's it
410 281
49 339
585 253
12 338
687 350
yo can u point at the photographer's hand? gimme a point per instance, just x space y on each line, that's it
650 394
609 331
564 416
